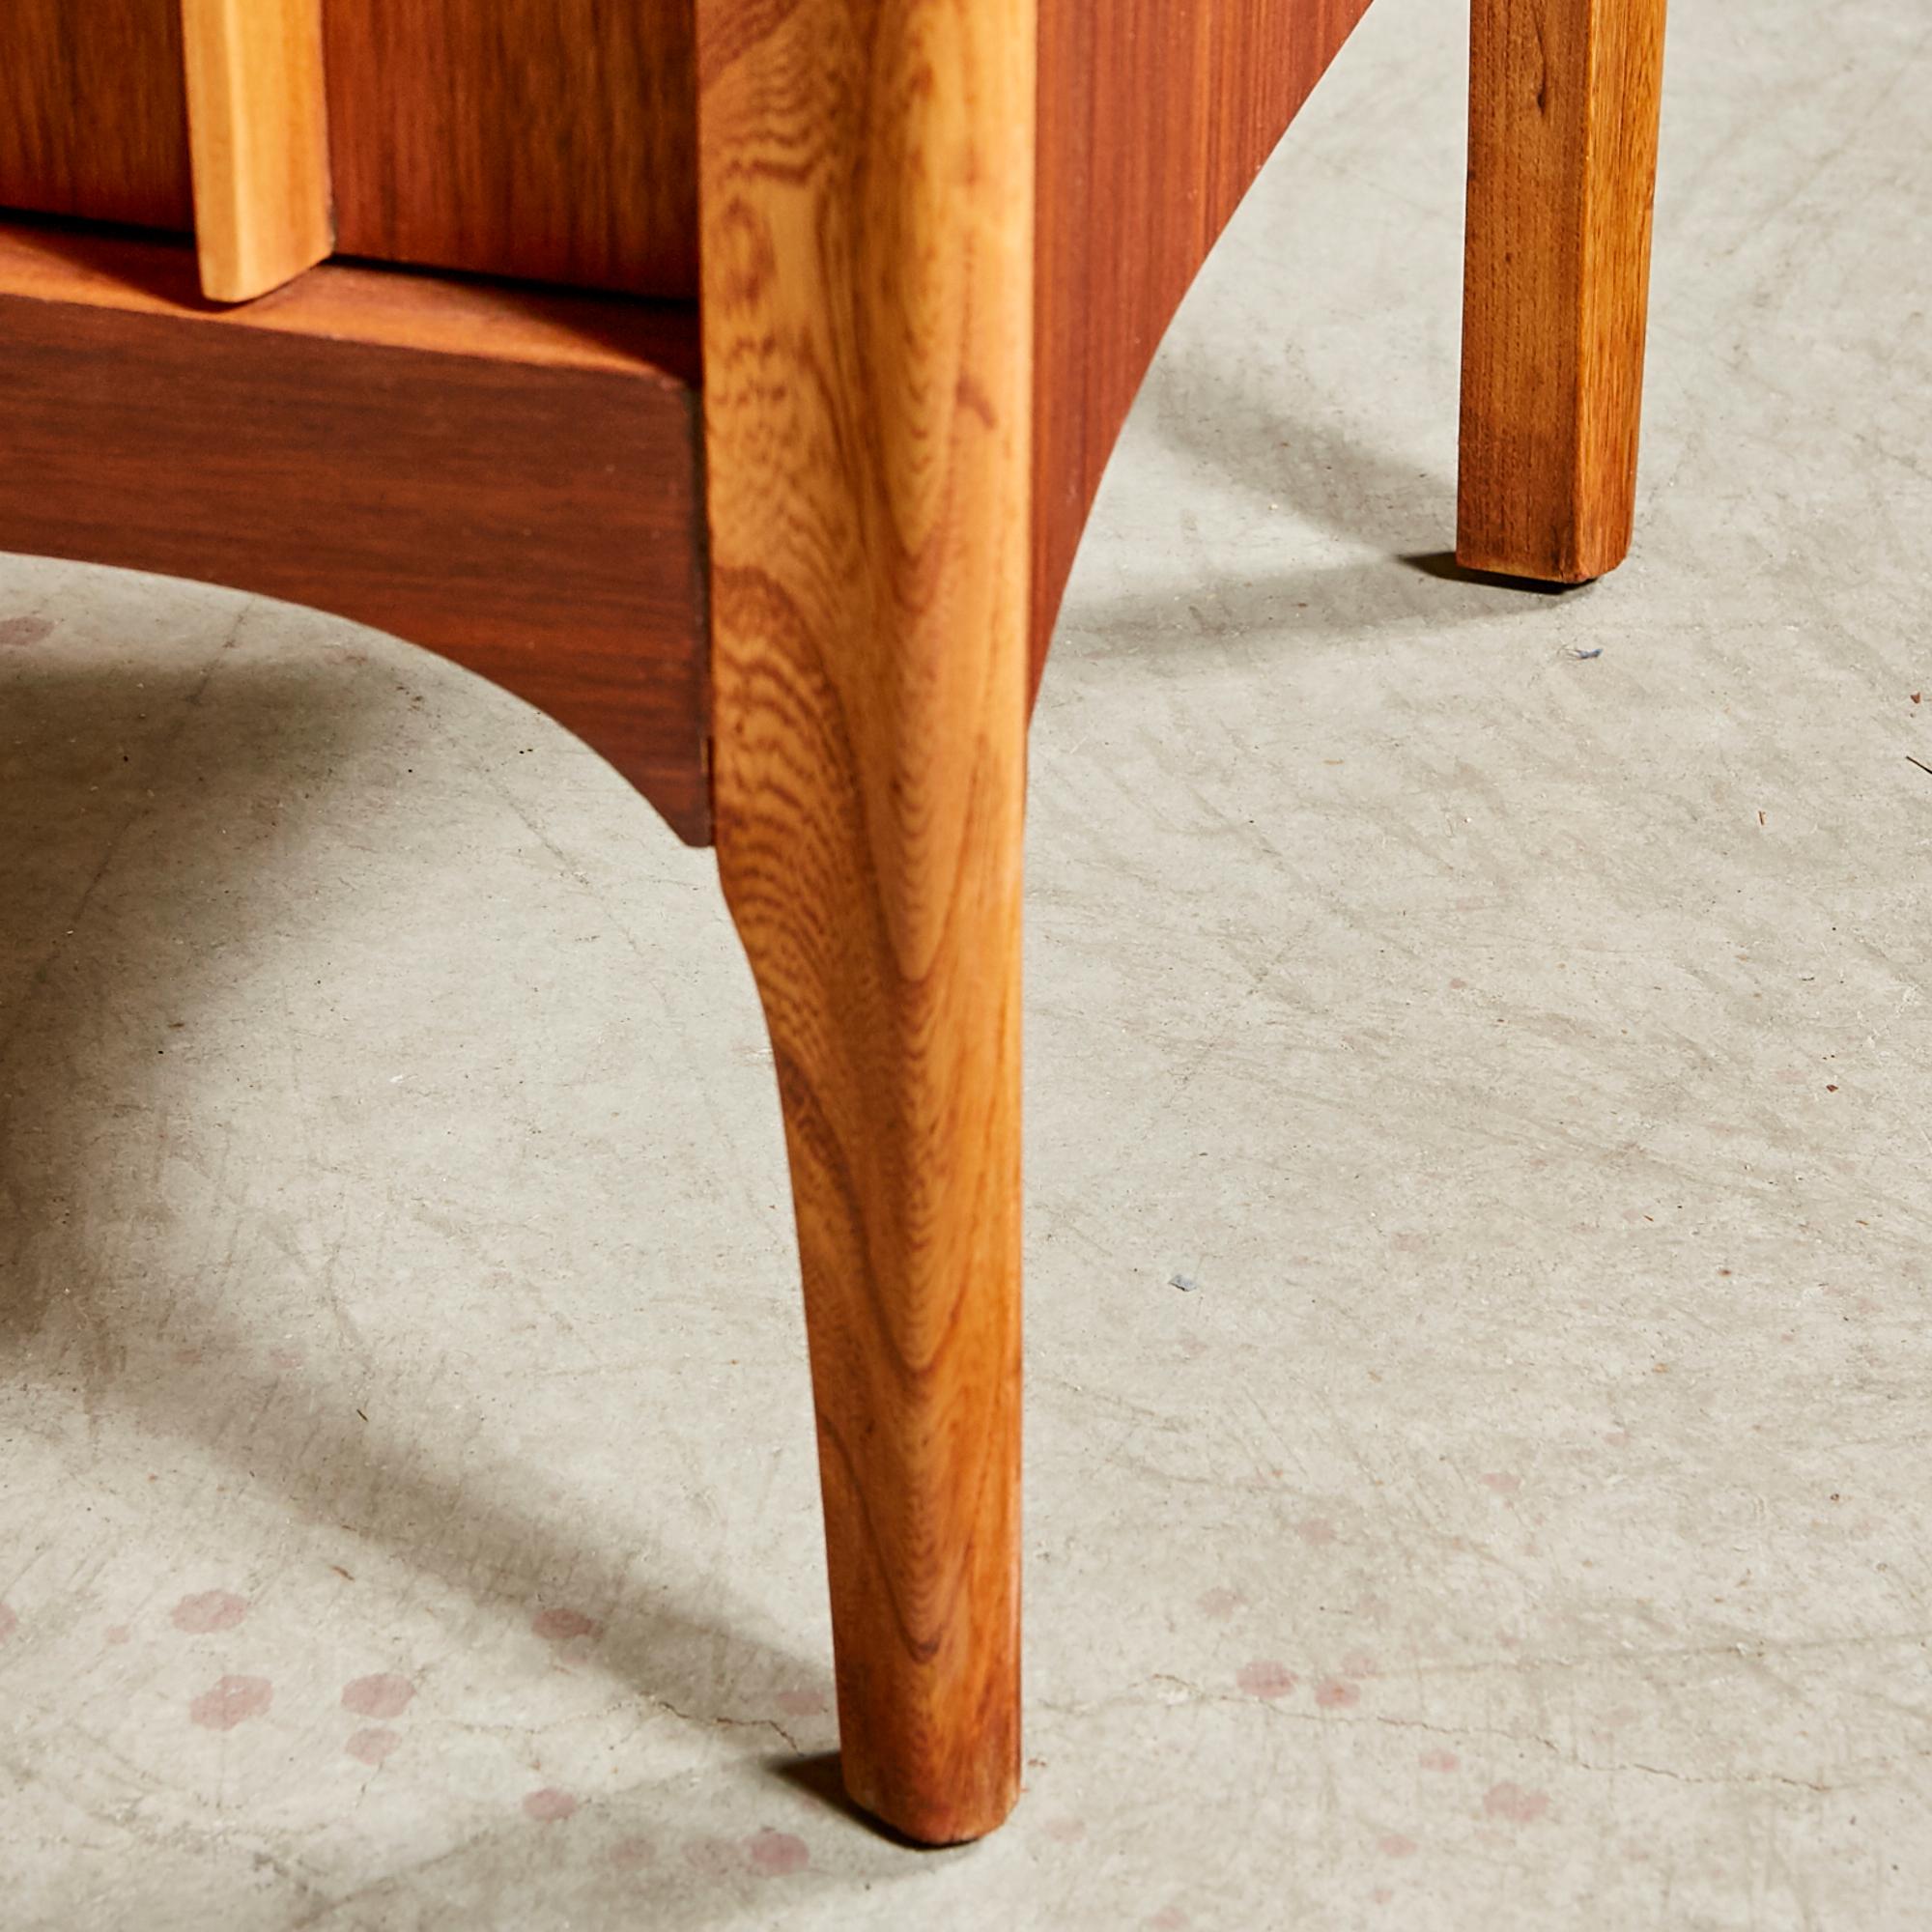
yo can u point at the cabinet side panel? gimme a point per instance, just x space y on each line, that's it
1154 117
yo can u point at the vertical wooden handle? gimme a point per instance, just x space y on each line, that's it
258 138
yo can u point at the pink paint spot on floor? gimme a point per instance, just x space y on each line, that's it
1381 1894
118 1634
284 1358
1458 985
1193 1347
1410 1242
384 1695
9 1623
26 630
559 1626
373 1746
1168 1919
212 1610
1065 1830
1218 1604
1332 1695
232 1701
550 1806
1265 1678
632 1854
1439 1760
1617 1438
1396 1846
1503 1484
1316 1530
802 1703
1513 1802
777 1854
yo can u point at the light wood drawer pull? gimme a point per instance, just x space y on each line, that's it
259 141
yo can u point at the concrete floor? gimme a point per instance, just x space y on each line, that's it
407 1502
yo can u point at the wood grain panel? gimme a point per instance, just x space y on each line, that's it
258 138
1154 117
506 478
1563 124
92 114
553 139
866 174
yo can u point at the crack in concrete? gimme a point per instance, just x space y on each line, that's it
1196 1697
728 1724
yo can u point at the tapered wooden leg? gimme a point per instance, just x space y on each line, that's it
865 183
1563 108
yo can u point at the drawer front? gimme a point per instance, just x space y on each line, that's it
93 114
549 139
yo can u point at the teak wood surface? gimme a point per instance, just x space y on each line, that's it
554 139
1154 117
509 476
786 549
93 111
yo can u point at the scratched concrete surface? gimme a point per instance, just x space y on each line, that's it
407 1505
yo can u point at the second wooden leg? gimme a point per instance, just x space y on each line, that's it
1563 110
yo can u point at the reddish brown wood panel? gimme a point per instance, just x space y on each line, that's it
1154 117
93 118
508 478
552 139
1563 123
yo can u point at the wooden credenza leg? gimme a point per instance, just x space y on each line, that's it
1563 115
867 208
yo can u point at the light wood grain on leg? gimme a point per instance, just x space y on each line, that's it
1562 158
867 215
